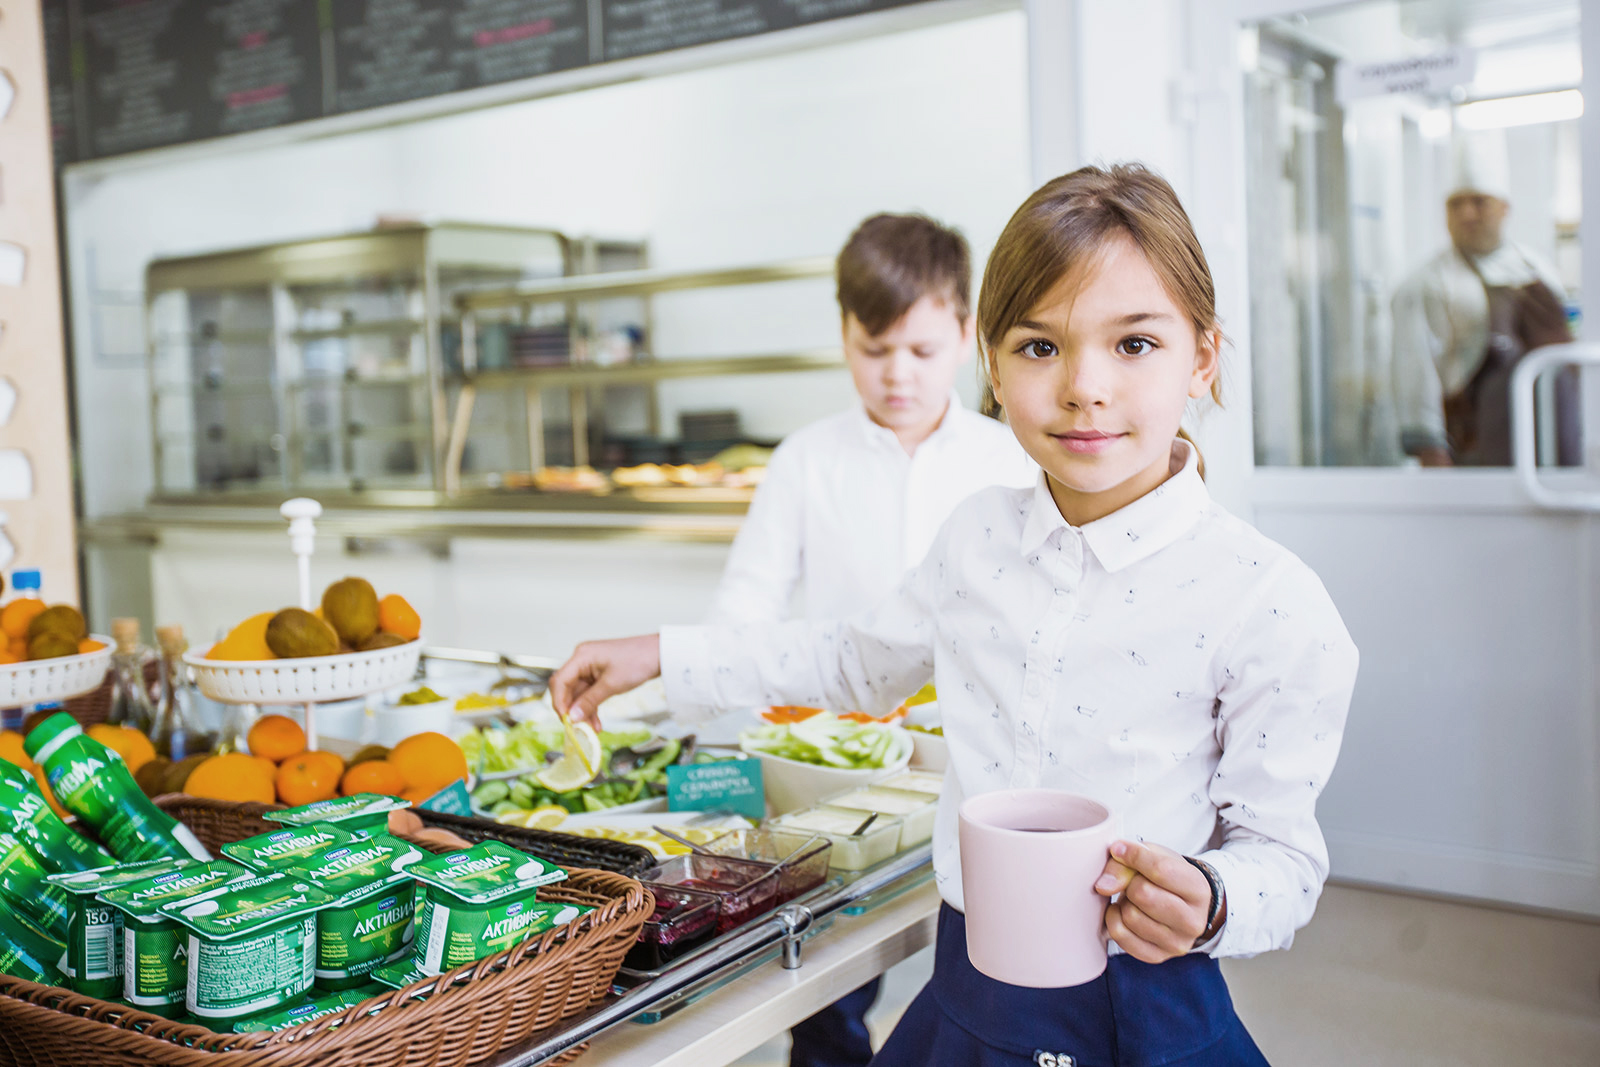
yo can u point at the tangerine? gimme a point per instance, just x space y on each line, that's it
11 750
134 747
49 794
89 644
17 616
397 617
246 641
428 761
233 776
277 737
373 776
306 778
8 656
331 760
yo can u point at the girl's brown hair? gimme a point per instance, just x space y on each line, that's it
1067 223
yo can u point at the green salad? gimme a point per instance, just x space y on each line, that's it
524 747
826 740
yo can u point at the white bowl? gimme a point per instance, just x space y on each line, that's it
304 679
393 723
791 785
929 752
43 680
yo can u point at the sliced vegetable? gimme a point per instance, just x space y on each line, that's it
824 739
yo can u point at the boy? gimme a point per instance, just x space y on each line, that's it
851 502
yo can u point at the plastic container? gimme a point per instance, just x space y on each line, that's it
480 901
684 919
917 781
851 851
914 810
23 889
25 813
359 813
802 857
96 932
743 888
791 785
93 783
27 954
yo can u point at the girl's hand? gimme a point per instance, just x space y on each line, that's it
601 669
1164 901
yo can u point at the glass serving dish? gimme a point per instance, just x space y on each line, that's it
851 851
801 857
916 782
914 810
684 919
743 888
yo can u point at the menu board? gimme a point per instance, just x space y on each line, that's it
127 75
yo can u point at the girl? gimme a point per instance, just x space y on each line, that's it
1111 632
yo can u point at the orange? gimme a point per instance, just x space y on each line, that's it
428 762
234 776
418 796
373 776
248 640
15 616
331 760
277 737
134 747
8 656
11 750
397 617
306 778
49 795
89 644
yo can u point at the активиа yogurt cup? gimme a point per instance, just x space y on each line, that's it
369 922
95 931
277 849
252 944
359 812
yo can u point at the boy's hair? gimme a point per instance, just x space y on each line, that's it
892 261
1066 224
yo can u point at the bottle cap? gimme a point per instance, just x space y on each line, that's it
171 640
27 578
125 632
40 736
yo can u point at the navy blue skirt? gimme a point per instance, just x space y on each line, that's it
1173 1014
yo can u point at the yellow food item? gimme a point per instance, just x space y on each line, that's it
306 779
11 750
8 656
350 606
89 644
16 616
428 762
246 641
63 619
295 633
276 737
372 776
234 777
134 747
396 616
51 644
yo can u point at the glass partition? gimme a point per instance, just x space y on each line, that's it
1413 192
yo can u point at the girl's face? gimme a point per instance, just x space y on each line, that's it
1095 380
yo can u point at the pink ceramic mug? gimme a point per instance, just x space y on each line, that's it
1029 861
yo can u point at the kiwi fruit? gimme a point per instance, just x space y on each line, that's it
51 645
63 619
351 608
153 775
369 753
380 640
294 633
177 775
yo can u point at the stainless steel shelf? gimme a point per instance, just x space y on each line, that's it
361 329
658 370
644 283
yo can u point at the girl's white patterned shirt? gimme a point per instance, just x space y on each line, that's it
1167 660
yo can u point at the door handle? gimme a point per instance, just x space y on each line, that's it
1524 432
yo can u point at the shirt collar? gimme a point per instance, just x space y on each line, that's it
1136 531
872 433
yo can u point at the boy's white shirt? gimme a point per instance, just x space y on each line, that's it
844 512
1167 660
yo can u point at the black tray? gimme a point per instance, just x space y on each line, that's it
564 850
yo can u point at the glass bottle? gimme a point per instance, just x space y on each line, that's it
178 733
130 695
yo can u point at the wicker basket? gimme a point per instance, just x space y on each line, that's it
462 1017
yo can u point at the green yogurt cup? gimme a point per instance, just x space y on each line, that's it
155 970
95 932
252 945
278 849
369 922
315 1008
360 812
481 901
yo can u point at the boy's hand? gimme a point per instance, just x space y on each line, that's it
601 669
1164 901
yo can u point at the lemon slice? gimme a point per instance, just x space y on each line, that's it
578 763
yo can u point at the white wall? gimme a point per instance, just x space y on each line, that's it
761 160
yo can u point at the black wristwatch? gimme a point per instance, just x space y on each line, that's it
1218 896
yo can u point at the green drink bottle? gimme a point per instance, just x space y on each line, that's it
27 954
24 889
93 783
25 813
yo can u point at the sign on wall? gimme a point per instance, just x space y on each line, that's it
1433 74
129 75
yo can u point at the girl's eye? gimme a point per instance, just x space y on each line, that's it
1136 346
1037 349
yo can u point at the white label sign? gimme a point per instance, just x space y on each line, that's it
1437 72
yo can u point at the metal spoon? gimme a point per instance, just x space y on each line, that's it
858 831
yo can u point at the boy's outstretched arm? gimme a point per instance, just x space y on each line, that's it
601 669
